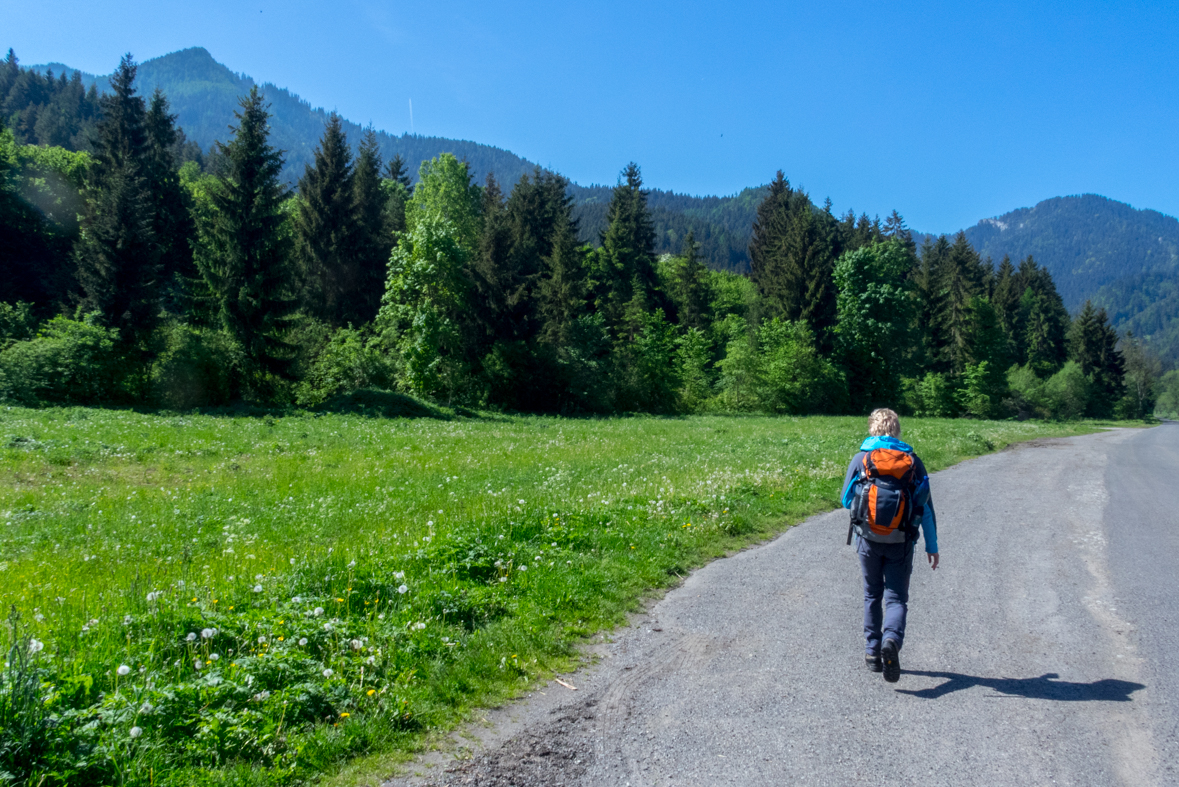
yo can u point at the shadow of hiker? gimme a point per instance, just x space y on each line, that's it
1046 687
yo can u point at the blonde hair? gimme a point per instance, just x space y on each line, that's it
884 422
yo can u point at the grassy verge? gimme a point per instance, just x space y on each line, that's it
237 600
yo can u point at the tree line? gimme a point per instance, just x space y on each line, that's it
186 280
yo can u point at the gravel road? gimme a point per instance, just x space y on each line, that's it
1044 650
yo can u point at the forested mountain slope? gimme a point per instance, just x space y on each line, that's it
1125 259
204 95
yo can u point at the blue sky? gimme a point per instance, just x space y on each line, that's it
948 112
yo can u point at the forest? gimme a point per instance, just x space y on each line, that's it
143 270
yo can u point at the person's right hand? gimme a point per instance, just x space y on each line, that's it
932 558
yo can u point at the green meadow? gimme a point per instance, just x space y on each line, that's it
221 599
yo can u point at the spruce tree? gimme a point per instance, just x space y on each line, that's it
172 223
768 266
928 277
326 231
962 278
398 171
247 260
373 239
1044 319
692 287
1094 348
561 296
487 267
626 259
1006 303
118 254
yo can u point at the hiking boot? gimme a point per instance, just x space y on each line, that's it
872 661
891 660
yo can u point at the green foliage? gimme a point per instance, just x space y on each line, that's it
424 293
1141 379
982 390
694 358
445 193
17 322
875 314
1063 396
347 362
645 368
195 367
1167 403
69 361
931 396
624 268
793 377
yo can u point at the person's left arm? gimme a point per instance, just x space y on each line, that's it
923 501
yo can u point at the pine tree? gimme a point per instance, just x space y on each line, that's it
768 267
626 260
119 255
172 223
486 270
326 231
693 291
246 258
373 239
1094 348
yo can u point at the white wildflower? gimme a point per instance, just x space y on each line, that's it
318 611
35 645
123 670
302 641
403 589
327 673
356 644
208 633
136 732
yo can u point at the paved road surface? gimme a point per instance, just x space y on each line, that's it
1044 650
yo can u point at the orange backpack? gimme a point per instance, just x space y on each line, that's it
882 509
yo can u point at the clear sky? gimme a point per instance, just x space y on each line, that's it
948 112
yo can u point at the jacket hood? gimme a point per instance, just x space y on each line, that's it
872 443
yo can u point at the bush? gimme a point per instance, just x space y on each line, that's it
1063 396
346 363
931 396
17 322
68 362
1067 392
198 367
982 391
793 377
1167 404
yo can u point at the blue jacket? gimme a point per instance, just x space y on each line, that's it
922 502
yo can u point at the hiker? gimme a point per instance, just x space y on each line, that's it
887 490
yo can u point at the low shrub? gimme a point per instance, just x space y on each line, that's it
198 367
68 362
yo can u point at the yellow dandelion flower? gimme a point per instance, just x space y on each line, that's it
345 715
372 692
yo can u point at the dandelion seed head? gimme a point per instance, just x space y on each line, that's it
302 641
191 636
208 633
197 663
257 588
318 611
136 732
403 589
327 673
36 646
123 670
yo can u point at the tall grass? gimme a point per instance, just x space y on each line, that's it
216 600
